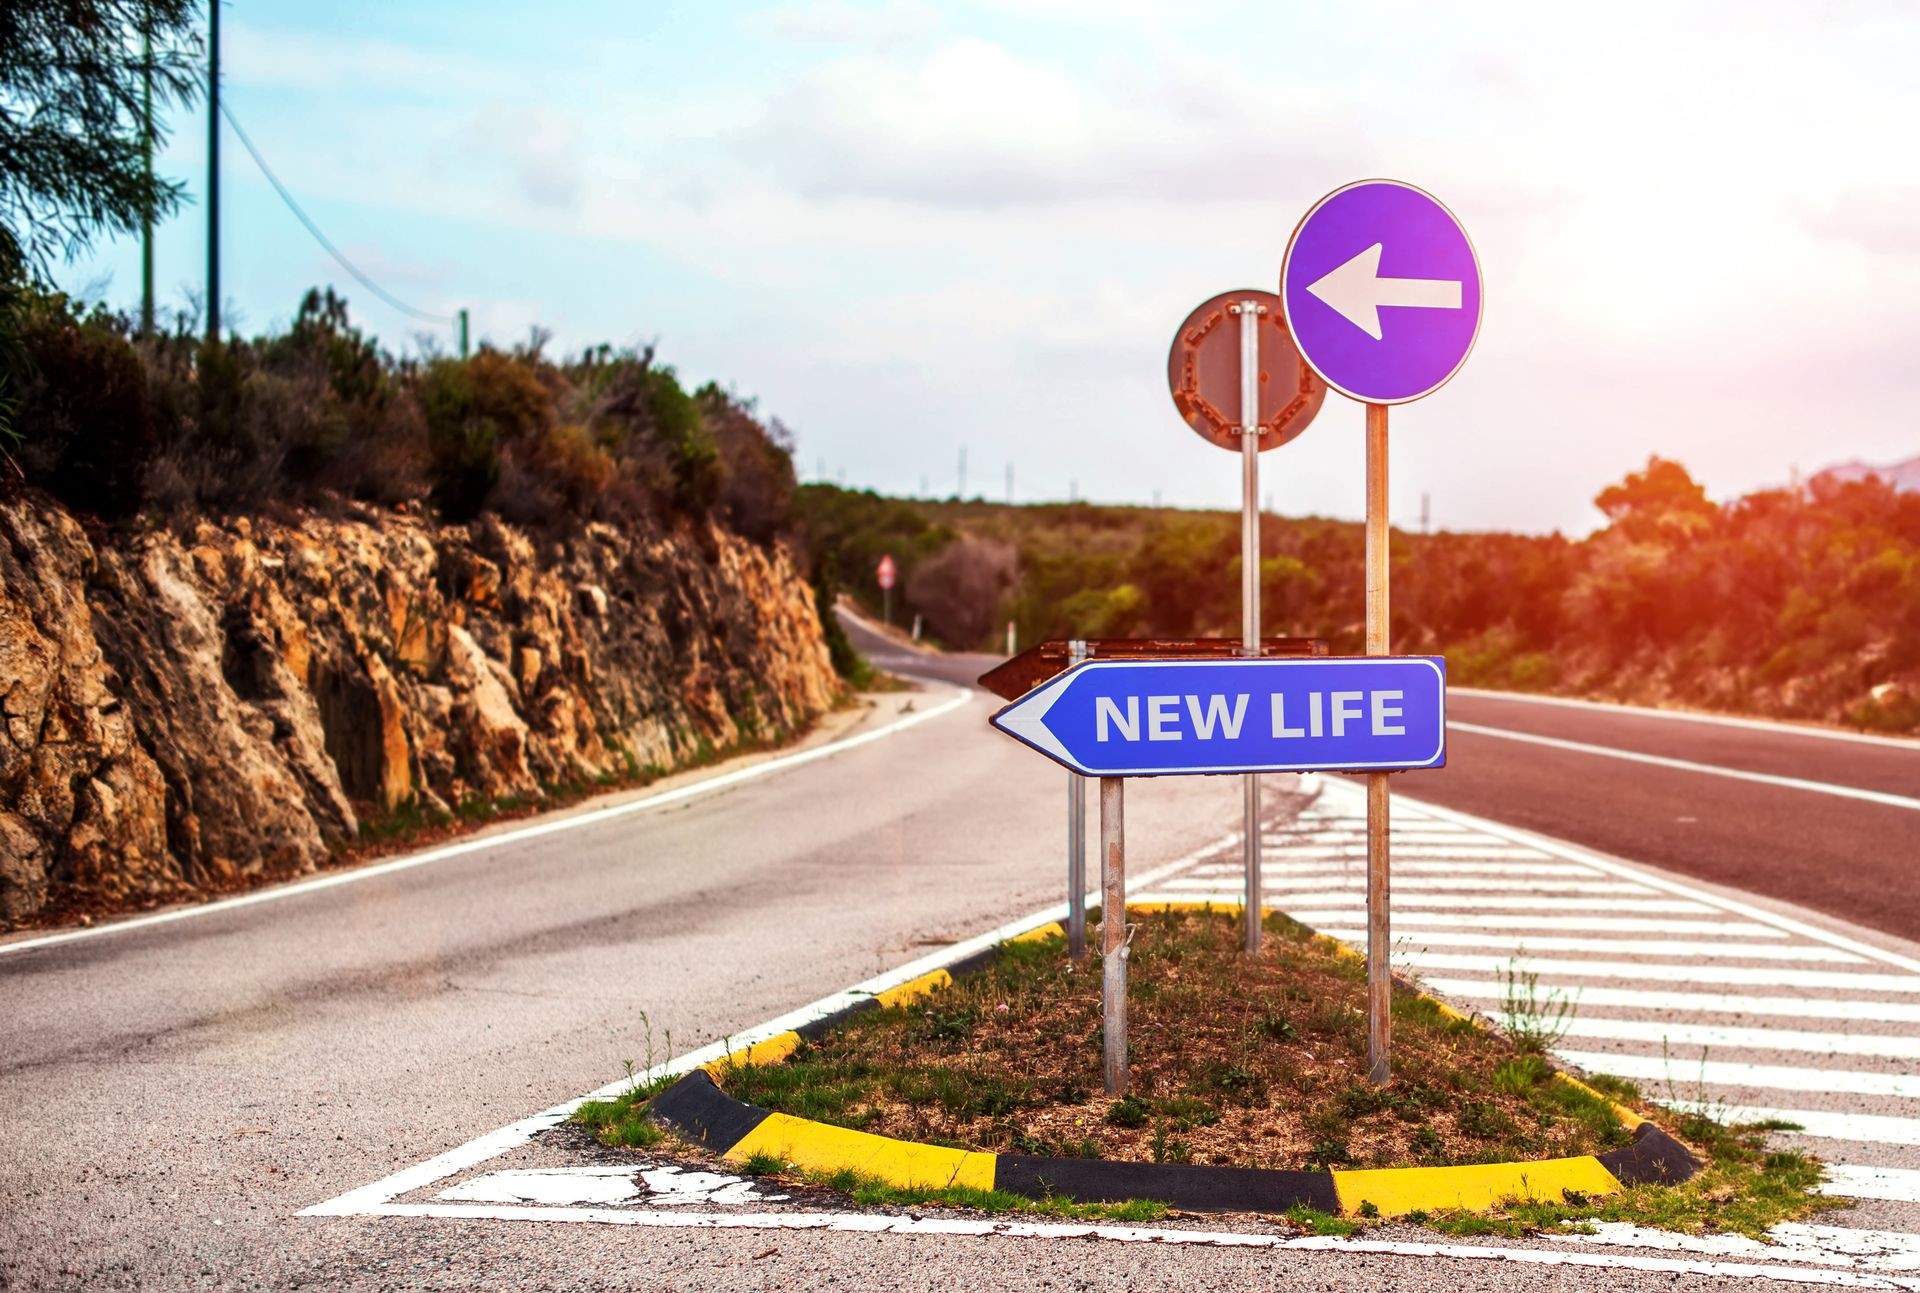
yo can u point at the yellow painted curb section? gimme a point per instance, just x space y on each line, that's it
1628 1118
914 989
771 1051
816 1147
1396 1191
1052 930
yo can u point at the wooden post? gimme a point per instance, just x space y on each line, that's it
1379 809
1113 932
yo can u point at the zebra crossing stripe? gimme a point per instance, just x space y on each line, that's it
1756 1039
1855 1181
1581 924
1498 902
1642 946
1714 1003
1825 1124
1842 980
1686 1075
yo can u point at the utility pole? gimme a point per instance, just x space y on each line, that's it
146 146
213 170
463 333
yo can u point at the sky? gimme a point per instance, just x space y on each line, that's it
914 230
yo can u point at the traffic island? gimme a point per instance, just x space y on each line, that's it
1248 1094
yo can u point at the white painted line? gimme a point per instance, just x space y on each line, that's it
1500 902
1756 1039
1899 1184
1686 765
1545 869
1885 1250
367 1199
1591 924
1542 888
1687 1076
1667 1000
1613 866
1638 947
665 1185
1660 972
893 1224
1822 1124
1685 716
779 763
1357 844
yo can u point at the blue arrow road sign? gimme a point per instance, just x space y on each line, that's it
1155 718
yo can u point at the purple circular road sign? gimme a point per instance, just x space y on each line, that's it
1381 291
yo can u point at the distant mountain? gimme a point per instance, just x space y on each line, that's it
1903 476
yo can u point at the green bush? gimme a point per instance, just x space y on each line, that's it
86 424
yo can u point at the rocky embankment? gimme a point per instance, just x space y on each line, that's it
187 707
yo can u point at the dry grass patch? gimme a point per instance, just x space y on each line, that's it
1248 1062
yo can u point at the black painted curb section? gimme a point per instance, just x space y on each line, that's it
701 1112
1654 1158
1191 1188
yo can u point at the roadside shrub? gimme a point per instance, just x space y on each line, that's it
960 590
462 443
86 425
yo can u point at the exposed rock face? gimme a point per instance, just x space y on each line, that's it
182 707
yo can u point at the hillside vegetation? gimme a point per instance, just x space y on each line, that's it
1795 603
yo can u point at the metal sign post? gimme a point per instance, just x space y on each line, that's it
1381 290
1215 368
1250 431
1113 934
1076 843
1379 805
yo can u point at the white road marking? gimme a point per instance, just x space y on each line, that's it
501 839
1687 1075
366 1200
661 1186
1898 1184
1496 902
1592 924
1686 765
1685 716
1728 974
1759 1039
1414 866
882 1223
1453 884
1889 1012
1822 1124
1885 1250
1640 946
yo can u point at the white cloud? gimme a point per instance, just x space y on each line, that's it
975 125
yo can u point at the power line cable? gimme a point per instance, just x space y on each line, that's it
321 238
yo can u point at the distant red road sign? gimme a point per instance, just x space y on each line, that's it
1203 372
884 572
1016 677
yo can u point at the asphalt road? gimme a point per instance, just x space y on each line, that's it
1846 857
174 1094
1854 859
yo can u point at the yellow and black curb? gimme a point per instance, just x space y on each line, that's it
699 1111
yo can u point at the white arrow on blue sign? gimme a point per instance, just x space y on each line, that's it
1155 718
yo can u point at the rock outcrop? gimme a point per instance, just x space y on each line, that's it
184 707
